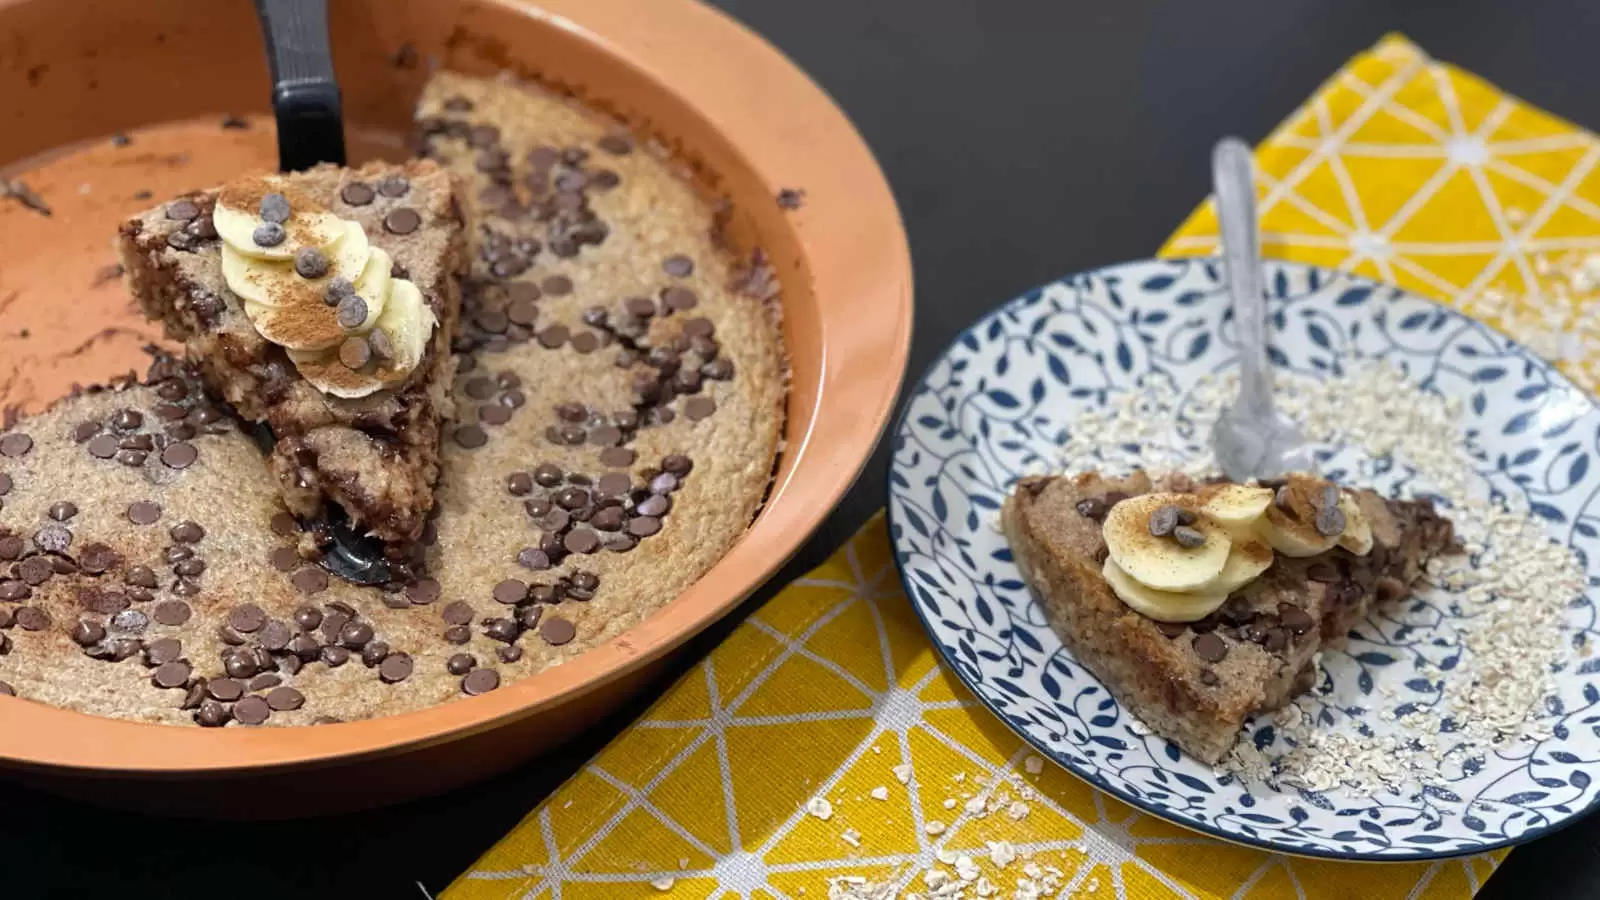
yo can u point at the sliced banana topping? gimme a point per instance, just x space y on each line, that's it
1246 561
1357 536
1235 507
314 284
1163 606
1176 557
1161 561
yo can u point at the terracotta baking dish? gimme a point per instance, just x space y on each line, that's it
75 72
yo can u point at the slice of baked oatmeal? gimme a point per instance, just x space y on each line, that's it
320 304
1250 584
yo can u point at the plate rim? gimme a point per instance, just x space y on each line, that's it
910 390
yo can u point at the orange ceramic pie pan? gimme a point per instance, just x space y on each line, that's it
76 72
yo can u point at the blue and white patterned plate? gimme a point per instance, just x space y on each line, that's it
999 404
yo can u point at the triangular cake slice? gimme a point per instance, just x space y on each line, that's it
322 305
1200 605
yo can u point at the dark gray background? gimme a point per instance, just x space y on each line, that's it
1025 140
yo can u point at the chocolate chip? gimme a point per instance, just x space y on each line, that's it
15 444
458 634
275 635
247 618
144 512
678 266
557 631
479 388
461 663
251 711
275 208
553 337
310 262
480 681
1329 521
679 299
471 436
355 635
225 689
187 533
1163 520
211 714
162 651
1323 572
424 592
172 612
1187 537
1210 648
284 699
142 442
268 234
395 668
310 580
1274 640
86 633
182 210
656 505
180 455
308 617
352 313
402 220
615 484
458 612
643 526
171 675
616 144
501 629
494 414
394 186
1295 619
357 193
510 592
698 327
556 519
284 525
334 657
697 408
35 570
556 286
581 540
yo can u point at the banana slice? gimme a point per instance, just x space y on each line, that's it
1235 507
253 279
408 323
372 280
1246 561
1293 533
307 227
1163 606
1161 562
1357 535
297 327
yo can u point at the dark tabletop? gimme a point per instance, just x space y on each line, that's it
1025 140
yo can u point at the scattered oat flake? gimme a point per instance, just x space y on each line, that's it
1033 765
949 803
934 827
879 793
851 837
820 808
1017 810
664 883
902 773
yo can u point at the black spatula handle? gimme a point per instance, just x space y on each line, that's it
305 96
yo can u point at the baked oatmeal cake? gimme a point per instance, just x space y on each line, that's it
320 304
1200 605
620 402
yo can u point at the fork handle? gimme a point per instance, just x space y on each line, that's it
1232 178
305 95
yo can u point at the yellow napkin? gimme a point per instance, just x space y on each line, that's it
822 752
